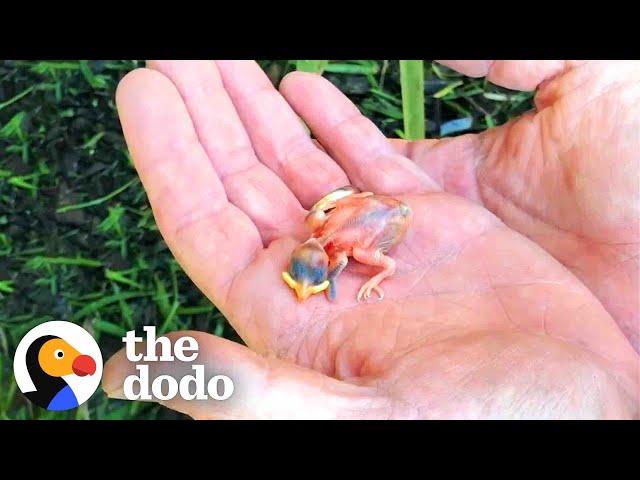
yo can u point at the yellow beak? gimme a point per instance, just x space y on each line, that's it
302 289
328 200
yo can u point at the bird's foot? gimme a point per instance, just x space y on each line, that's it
367 288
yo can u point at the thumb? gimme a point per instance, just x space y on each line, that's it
455 162
263 388
514 74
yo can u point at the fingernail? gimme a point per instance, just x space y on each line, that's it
118 393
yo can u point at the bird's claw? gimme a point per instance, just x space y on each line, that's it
366 289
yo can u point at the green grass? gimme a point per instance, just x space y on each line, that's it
78 241
313 66
412 85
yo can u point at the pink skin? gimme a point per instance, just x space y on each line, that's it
364 226
478 320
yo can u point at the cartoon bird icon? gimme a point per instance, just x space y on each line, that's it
48 359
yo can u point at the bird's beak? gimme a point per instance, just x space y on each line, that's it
331 198
302 289
83 365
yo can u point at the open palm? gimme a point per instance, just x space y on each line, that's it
566 174
478 321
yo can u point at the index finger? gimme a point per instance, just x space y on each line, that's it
352 139
212 239
277 134
515 74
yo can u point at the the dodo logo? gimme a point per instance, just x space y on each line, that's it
58 365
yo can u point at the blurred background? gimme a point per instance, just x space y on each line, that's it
78 241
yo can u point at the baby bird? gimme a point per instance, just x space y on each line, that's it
346 223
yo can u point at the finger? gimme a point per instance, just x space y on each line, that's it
450 162
263 388
406 148
515 74
278 136
249 184
212 239
400 145
352 140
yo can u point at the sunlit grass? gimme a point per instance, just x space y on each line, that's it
412 81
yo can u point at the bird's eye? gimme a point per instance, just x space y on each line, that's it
58 354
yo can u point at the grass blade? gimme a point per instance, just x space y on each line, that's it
412 84
109 328
97 201
448 89
17 97
40 261
353 69
195 310
313 66
103 302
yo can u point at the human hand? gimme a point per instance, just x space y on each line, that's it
565 175
477 322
